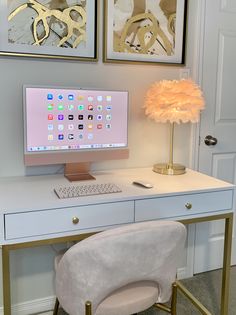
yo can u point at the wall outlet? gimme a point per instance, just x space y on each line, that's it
184 73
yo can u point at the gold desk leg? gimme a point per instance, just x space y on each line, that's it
226 265
6 280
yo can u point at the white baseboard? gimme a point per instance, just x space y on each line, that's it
33 307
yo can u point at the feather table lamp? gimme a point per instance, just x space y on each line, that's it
173 101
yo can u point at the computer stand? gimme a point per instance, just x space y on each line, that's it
77 171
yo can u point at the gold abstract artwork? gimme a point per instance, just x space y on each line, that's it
59 23
144 27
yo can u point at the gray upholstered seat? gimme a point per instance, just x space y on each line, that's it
121 271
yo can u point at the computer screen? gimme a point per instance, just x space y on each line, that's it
69 125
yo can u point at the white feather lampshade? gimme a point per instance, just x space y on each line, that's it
173 101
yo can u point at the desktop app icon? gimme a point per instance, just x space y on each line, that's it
50 96
60 117
60 127
70 97
50 117
60 107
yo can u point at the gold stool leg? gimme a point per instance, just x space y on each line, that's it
173 308
174 299
192 299
88 308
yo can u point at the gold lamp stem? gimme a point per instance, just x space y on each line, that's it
170 168
171 145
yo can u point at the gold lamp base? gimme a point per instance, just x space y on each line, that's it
169 169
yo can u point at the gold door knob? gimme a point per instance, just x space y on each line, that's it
188 206
75 220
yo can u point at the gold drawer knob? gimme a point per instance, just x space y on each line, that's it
188 206
75 220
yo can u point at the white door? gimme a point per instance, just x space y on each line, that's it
218 156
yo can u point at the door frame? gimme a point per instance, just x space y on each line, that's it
195 140
196 74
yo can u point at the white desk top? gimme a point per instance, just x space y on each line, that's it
37 192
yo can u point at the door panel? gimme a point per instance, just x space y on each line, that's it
225 88
218 119
228 5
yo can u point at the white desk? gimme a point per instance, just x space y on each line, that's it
31 214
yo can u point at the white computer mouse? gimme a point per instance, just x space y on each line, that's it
143 184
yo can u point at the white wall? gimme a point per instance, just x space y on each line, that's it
32 269
136 79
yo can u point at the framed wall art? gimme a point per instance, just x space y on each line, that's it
49 29
145 31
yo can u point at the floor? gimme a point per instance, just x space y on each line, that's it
205 287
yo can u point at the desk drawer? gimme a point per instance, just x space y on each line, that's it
36 223
171 207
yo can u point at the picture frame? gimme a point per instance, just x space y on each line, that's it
49 29
145 31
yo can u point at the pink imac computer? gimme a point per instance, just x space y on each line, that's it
74 127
